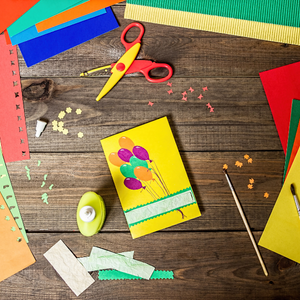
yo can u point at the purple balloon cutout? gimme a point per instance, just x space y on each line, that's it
124 154
141 153
133 184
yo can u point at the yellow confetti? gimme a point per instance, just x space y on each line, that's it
80 134
250 186
266 195
55 128
54 123
78 111
238 164
68 110
61 124
246 156
60 129
65 131
61 115
250 161
251 180
225 166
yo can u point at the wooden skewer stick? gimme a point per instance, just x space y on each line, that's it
245 222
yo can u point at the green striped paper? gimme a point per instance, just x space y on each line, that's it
279 12
117 275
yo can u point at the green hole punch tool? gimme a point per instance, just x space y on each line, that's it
90 214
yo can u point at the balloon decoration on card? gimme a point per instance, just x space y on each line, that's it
138 169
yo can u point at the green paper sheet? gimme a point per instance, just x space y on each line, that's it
100 259
117 275
44 9
294 120
279 12
9 196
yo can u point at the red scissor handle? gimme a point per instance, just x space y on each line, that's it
138 39
154 65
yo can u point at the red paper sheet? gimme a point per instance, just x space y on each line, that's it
282 85
11 10
13 134
295 148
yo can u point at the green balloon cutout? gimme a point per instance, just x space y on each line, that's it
127 171
136 162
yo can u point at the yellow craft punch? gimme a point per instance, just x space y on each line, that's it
91 214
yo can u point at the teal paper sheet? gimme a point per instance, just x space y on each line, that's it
9 196
100 259
117 275
279 12
44 9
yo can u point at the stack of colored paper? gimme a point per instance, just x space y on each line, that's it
282 88
46 28
271 20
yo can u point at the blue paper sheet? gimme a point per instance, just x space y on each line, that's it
41 48
32 33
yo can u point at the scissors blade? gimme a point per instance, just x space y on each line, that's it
120 68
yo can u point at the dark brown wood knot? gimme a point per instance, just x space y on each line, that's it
38 90
285 263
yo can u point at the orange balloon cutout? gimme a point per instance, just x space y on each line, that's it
115 159
126 143
143 173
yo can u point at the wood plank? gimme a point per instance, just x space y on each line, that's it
218 265
241 121
74 174
192 53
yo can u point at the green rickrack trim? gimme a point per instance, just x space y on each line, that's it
164 213
117 275
161 199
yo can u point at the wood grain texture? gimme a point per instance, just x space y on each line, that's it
74 174
211 256
241 121
206 265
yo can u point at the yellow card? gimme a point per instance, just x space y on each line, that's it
282 232
150 178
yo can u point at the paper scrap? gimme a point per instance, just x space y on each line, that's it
250 160
266 195
80 134
250 186
61 115
13 133
150 103
184 98
200 96
68 110
117 275
169 83
238 164
251 180
50 187
246 156
45 198
78 111
39 163
8 194
103 259
184 93
170 92
225 166
15 254
27 172
69 268
281 233
46 46
191 89
205 89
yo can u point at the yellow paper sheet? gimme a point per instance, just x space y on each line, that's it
15 254
250 29
282 232
163 196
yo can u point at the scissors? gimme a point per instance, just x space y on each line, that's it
127 63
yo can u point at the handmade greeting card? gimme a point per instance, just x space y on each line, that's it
150 178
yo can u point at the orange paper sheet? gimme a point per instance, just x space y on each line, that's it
75 12
15 254
295 148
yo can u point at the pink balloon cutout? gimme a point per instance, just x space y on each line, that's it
141 153
124 154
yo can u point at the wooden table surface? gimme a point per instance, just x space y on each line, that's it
211 256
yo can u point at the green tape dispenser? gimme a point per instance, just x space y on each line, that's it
90 214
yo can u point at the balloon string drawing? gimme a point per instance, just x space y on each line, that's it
139 170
